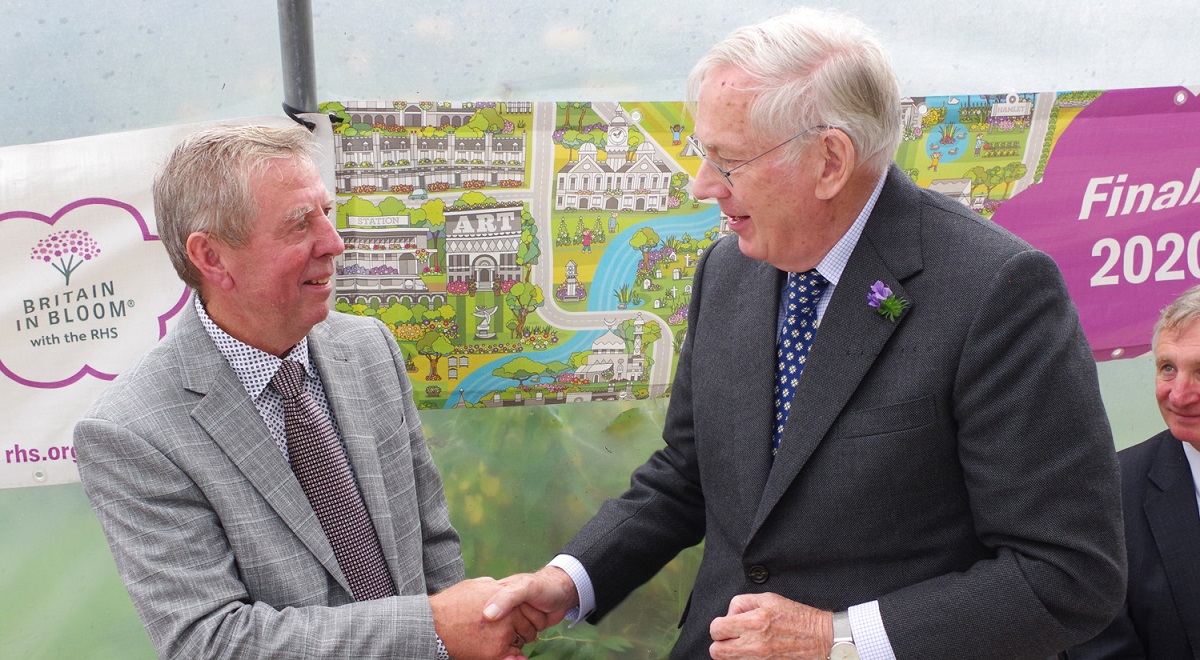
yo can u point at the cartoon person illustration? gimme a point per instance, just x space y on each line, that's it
676 134
587 240
933 160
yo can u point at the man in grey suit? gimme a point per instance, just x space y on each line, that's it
185 458
1160 491
945 485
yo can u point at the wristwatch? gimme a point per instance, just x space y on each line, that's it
843 640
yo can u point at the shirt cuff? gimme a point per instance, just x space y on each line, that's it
583 586
870 637
442 653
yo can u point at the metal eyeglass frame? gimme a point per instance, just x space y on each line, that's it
725 174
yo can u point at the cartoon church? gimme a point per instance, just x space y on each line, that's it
610 355
623 181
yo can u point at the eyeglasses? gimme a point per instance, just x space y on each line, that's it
725 174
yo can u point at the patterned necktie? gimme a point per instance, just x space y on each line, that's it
799 327
321 467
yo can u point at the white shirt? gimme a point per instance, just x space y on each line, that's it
1193 457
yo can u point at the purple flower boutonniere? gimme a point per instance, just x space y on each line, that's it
888 304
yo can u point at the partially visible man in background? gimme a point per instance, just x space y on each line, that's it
261 474
1160 493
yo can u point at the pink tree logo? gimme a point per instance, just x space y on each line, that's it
66 251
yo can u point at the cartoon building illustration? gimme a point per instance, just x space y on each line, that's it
401 158
383 261
481 245
610 356
617 183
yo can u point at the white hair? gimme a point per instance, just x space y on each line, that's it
814 68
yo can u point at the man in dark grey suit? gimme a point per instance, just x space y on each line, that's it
185 458
945 485
1160 489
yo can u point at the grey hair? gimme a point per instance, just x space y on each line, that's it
814 68
1182 311
205 185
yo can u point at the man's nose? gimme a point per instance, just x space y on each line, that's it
709 184
1185 389
330 242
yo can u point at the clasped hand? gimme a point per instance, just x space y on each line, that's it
468 635
771 626
755 626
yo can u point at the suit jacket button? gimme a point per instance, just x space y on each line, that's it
758 574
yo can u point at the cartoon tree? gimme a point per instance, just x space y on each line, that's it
66 251
978 176
356 206
651 332
567 118
435 215
645 240
434 345
1013 173
557 368
598 235
530 249
583 107
396 314
563 237
392 206
522 299
520 369
636 138
571 140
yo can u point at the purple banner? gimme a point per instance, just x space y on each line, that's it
1118 208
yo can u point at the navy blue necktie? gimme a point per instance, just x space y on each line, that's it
799 328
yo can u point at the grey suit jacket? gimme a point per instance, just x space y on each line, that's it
955 465
1161 616
212 534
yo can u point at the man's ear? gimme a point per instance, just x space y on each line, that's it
207 254
838 160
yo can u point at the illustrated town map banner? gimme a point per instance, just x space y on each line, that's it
540 253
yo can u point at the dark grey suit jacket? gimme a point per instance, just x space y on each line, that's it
212 534
955 465
1161 616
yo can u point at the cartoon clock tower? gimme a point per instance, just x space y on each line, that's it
618 138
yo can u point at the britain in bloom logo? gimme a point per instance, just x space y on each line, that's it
66 251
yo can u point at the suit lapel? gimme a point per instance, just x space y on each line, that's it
753 360
851 334
229 417
1175 523
341 375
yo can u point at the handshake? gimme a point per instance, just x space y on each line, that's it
486 618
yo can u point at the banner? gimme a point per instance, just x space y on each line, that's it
1118 209
539 253
89 288
526 254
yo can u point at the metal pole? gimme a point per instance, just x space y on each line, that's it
299 66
